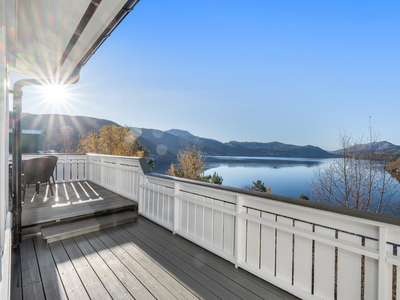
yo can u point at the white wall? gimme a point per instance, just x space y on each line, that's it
3 126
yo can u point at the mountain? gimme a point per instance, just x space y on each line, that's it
279 150
54 124
179 132
173 140
379 146
164 146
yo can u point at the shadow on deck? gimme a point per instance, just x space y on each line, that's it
139 260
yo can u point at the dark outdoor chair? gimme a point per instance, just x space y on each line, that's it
37 171
55 159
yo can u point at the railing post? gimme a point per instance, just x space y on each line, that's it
239 231
118 174
86 173
176 215
102 173
382 264
141 190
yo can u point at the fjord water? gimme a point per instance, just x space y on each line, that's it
286 176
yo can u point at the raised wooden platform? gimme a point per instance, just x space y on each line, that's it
139 260
57 232
71 200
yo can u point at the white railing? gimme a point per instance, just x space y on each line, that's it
70 167
5 262
311 250
116 173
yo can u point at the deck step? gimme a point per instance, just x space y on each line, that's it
58 232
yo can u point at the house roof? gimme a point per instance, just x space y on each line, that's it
29 131
52 39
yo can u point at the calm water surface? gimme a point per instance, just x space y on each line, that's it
286 176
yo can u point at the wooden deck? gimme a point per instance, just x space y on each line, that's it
139 260
70 200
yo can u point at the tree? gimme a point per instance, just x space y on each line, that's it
190 164
357 179
89 143
258 186
113 140
304 197
215 178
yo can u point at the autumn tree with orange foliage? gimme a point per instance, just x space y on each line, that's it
113 140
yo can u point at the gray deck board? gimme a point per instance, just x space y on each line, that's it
70 200
194 285
144 276
72 283
88 277
51 281
133 284
139 260
31 281
110 281
16 279
221 291
166 279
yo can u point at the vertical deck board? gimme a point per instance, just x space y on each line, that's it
16 279
168 266
134 286
143 275
31 280
220 285
72 283
88 277
115 288
175 287
173 268
51 281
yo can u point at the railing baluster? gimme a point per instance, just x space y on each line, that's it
240 234
382 278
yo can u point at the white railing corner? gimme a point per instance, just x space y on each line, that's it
176 207
141 191
86 173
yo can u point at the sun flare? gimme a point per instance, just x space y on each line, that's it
56 93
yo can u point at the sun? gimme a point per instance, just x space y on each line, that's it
56 93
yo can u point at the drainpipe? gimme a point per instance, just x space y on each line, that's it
17 151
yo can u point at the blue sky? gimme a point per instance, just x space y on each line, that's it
288 71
